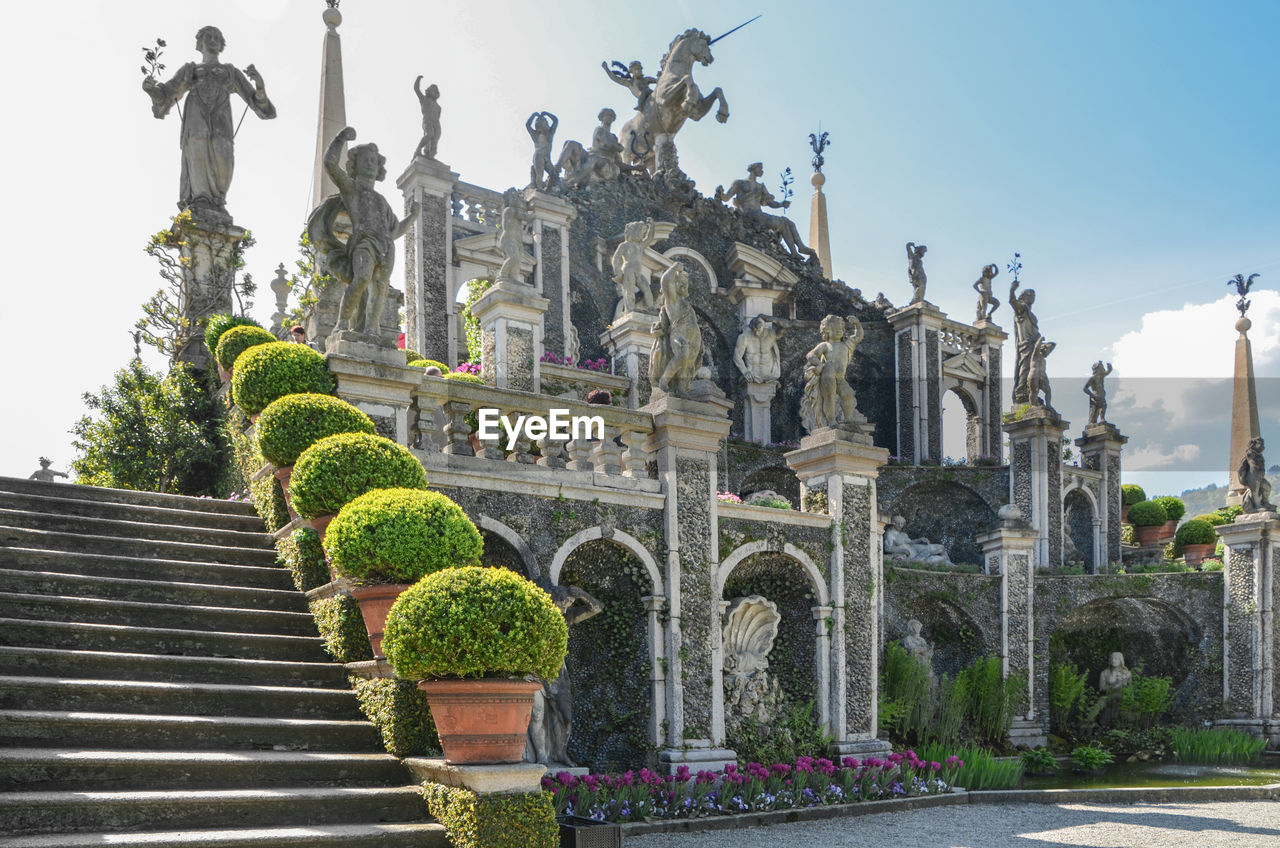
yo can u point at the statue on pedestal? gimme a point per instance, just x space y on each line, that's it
628 266
511 242
1253 478
898 545
676 356
750 197
828 398
430 103
541 127
600 163
915 270
1026 333
987 302
208 130
1097 393
750 630
552 721
1038 378
756 353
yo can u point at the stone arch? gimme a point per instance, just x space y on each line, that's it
618 537
973 422
945 512
1081 524
786 549
682 252
519 549
957 637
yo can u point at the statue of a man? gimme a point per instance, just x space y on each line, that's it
987 302
511 243
828 398
677 346
429 100
603 161
1097 393
208 130
45 474
915 270
549 737
756 353
1115 676
898 545
364 260
1038 379
629 272
1026 333
541 127
1253 478
751 197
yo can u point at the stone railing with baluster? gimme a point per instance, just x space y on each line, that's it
957 337
475 207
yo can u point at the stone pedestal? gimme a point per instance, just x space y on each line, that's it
918 365
505 777
207 251
430 310
990 346
845 469
551 218
1035 479
1100 448
1250 688
684 443
1008 550
510 316
629 341
757 423
383 391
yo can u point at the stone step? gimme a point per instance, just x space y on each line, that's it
151 591
132 567
375 835
110 611
157 640
116 731
126 496
27 537
152 697
109 665
62 812
116 529
45 769
67 501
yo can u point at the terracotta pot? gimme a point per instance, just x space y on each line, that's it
1195 554
1170 530
284 475
1149 536
1124 513
481 721
476 446
320 524
375 602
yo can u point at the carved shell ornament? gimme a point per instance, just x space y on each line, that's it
751 626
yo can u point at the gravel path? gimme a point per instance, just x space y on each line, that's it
1234 824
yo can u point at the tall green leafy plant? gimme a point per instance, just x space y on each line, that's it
475 338
992 699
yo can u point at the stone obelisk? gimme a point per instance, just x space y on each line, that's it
819 232
333 105
1244 410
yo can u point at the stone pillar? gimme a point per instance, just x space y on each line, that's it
845 465
1250 597
990 347
918 365
1100 448
207 251
684 443
629 341
429 307
1244 411
384 391
551 219
1008 549
822 621
654 606
819 235
510 316
1035 478
759 282
757 423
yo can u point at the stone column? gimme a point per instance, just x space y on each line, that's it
1035 478
629 341
551 219
207 251
685 440
757 422
1008 550
822 621
845 465
990 347
510 316
1100 448
759 282
1250 597
654 606
918 365
430 311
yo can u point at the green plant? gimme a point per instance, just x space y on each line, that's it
772 503
471 622
338 469
1144 701
398 708
236 340
1211 565
1091 757
292 423
463 377
1230 513
992 698
268 371
471 324
342 627
1197 531
401 535
219 324
1147 514
1174 508
429 363
410 355
1213 518
1215 745
905 705
981 770
1127 534
1039 761
523 820
303 555
1131 494
794 734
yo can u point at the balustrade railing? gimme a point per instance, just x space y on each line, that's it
957 338
479 207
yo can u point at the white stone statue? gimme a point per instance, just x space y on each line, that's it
1038 377
511 243
751 628
987 302
917 645
1253 478
676 356
1026 333
1115 676
208 128
541 127
756 352
45 474
360 255
898 545
751 197
429 100
574 345
628 266
632 78
552 721
915 270
1096 391
828 398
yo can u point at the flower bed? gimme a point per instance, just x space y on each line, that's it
809 782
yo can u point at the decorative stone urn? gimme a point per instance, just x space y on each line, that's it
480 721
375 602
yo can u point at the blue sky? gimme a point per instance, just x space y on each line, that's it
1127 150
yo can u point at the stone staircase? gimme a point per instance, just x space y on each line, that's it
162 684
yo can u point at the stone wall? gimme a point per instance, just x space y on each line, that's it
960 613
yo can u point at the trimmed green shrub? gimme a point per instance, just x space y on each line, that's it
398 708
1147 514
463 377
472 622
237 340
401 536
338 469
427 363
342 627
219 324
1213 518
268 371
1174 508
523 820
410 355
291 424
1230 513
1131 494
1197 531
304 556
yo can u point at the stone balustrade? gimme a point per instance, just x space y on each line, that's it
957 337
475 207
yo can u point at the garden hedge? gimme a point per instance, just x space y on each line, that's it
401 536
1195 532
237 340
338 469
1174 508
219 324
269 371
291 424
517 820
464 377
427 363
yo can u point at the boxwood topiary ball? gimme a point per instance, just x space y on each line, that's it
464 377
338 469
269 371
293 423
236 340
1197 531
401 536
427 363
219 324
1131 494
1147 514
1174 508
472 622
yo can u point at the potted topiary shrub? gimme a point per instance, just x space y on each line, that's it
1174 509
387 539
236 341
338 469
1196 539
1130 495
291 424
213 330
1147 518
472 637
269 371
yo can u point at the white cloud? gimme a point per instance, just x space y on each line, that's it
1152 456
1198 340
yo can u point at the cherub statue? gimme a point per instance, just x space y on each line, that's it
750 197
987 302
511 242
430 103
828 398
45 474
541 127
628 266
756 352
1253 479
1097 393
915 270
1038 380
1026 333
1242 288
677 347
364 259
632 78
